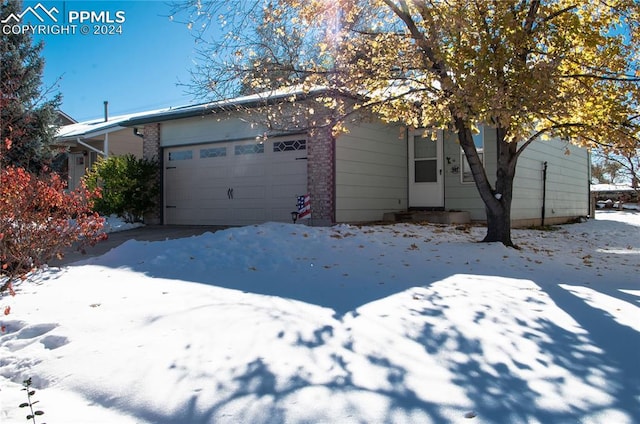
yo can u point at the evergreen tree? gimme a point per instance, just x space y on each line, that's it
27 117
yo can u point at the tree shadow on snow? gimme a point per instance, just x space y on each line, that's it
560 377
522 375
531 369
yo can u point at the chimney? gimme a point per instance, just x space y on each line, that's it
106 111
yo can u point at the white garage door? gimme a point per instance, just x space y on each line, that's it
235 183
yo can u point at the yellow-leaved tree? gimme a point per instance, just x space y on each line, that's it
532 69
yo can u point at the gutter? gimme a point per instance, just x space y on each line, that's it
73 135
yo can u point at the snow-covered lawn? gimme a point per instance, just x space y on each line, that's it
283 323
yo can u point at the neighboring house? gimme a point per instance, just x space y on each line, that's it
217 168
64 119
610 195
87 141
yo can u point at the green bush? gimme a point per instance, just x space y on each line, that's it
128 184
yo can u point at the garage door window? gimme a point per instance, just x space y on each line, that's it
249 149
214 152
181 155
289 146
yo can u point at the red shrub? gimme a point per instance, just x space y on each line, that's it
39 219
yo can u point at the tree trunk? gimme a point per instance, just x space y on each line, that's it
499 225
497 200
499 212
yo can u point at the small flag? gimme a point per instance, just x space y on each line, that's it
304 207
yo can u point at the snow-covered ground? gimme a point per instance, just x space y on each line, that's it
282 323
114 224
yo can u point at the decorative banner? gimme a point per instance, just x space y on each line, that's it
304 207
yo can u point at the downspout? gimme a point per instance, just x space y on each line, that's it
591 208
106 136
544 191
407 143
334 197
442 170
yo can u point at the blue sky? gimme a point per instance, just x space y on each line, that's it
135 71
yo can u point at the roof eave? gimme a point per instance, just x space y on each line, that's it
221 106
91 134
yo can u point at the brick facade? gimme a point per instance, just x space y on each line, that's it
321 176
151 141
151 150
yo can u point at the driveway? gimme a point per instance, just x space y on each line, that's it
146 233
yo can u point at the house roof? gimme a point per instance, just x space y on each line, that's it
65 118
611 187
253 100
97 127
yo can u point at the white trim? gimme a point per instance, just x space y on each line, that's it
426 194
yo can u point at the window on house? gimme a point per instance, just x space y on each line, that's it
289 146
478 140
213 152
181 155
249 149
425 159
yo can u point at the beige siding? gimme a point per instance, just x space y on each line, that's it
567 183
124 142
371 172
121 142
222 127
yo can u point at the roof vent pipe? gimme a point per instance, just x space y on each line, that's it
106 111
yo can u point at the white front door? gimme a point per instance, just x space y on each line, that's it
426 188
